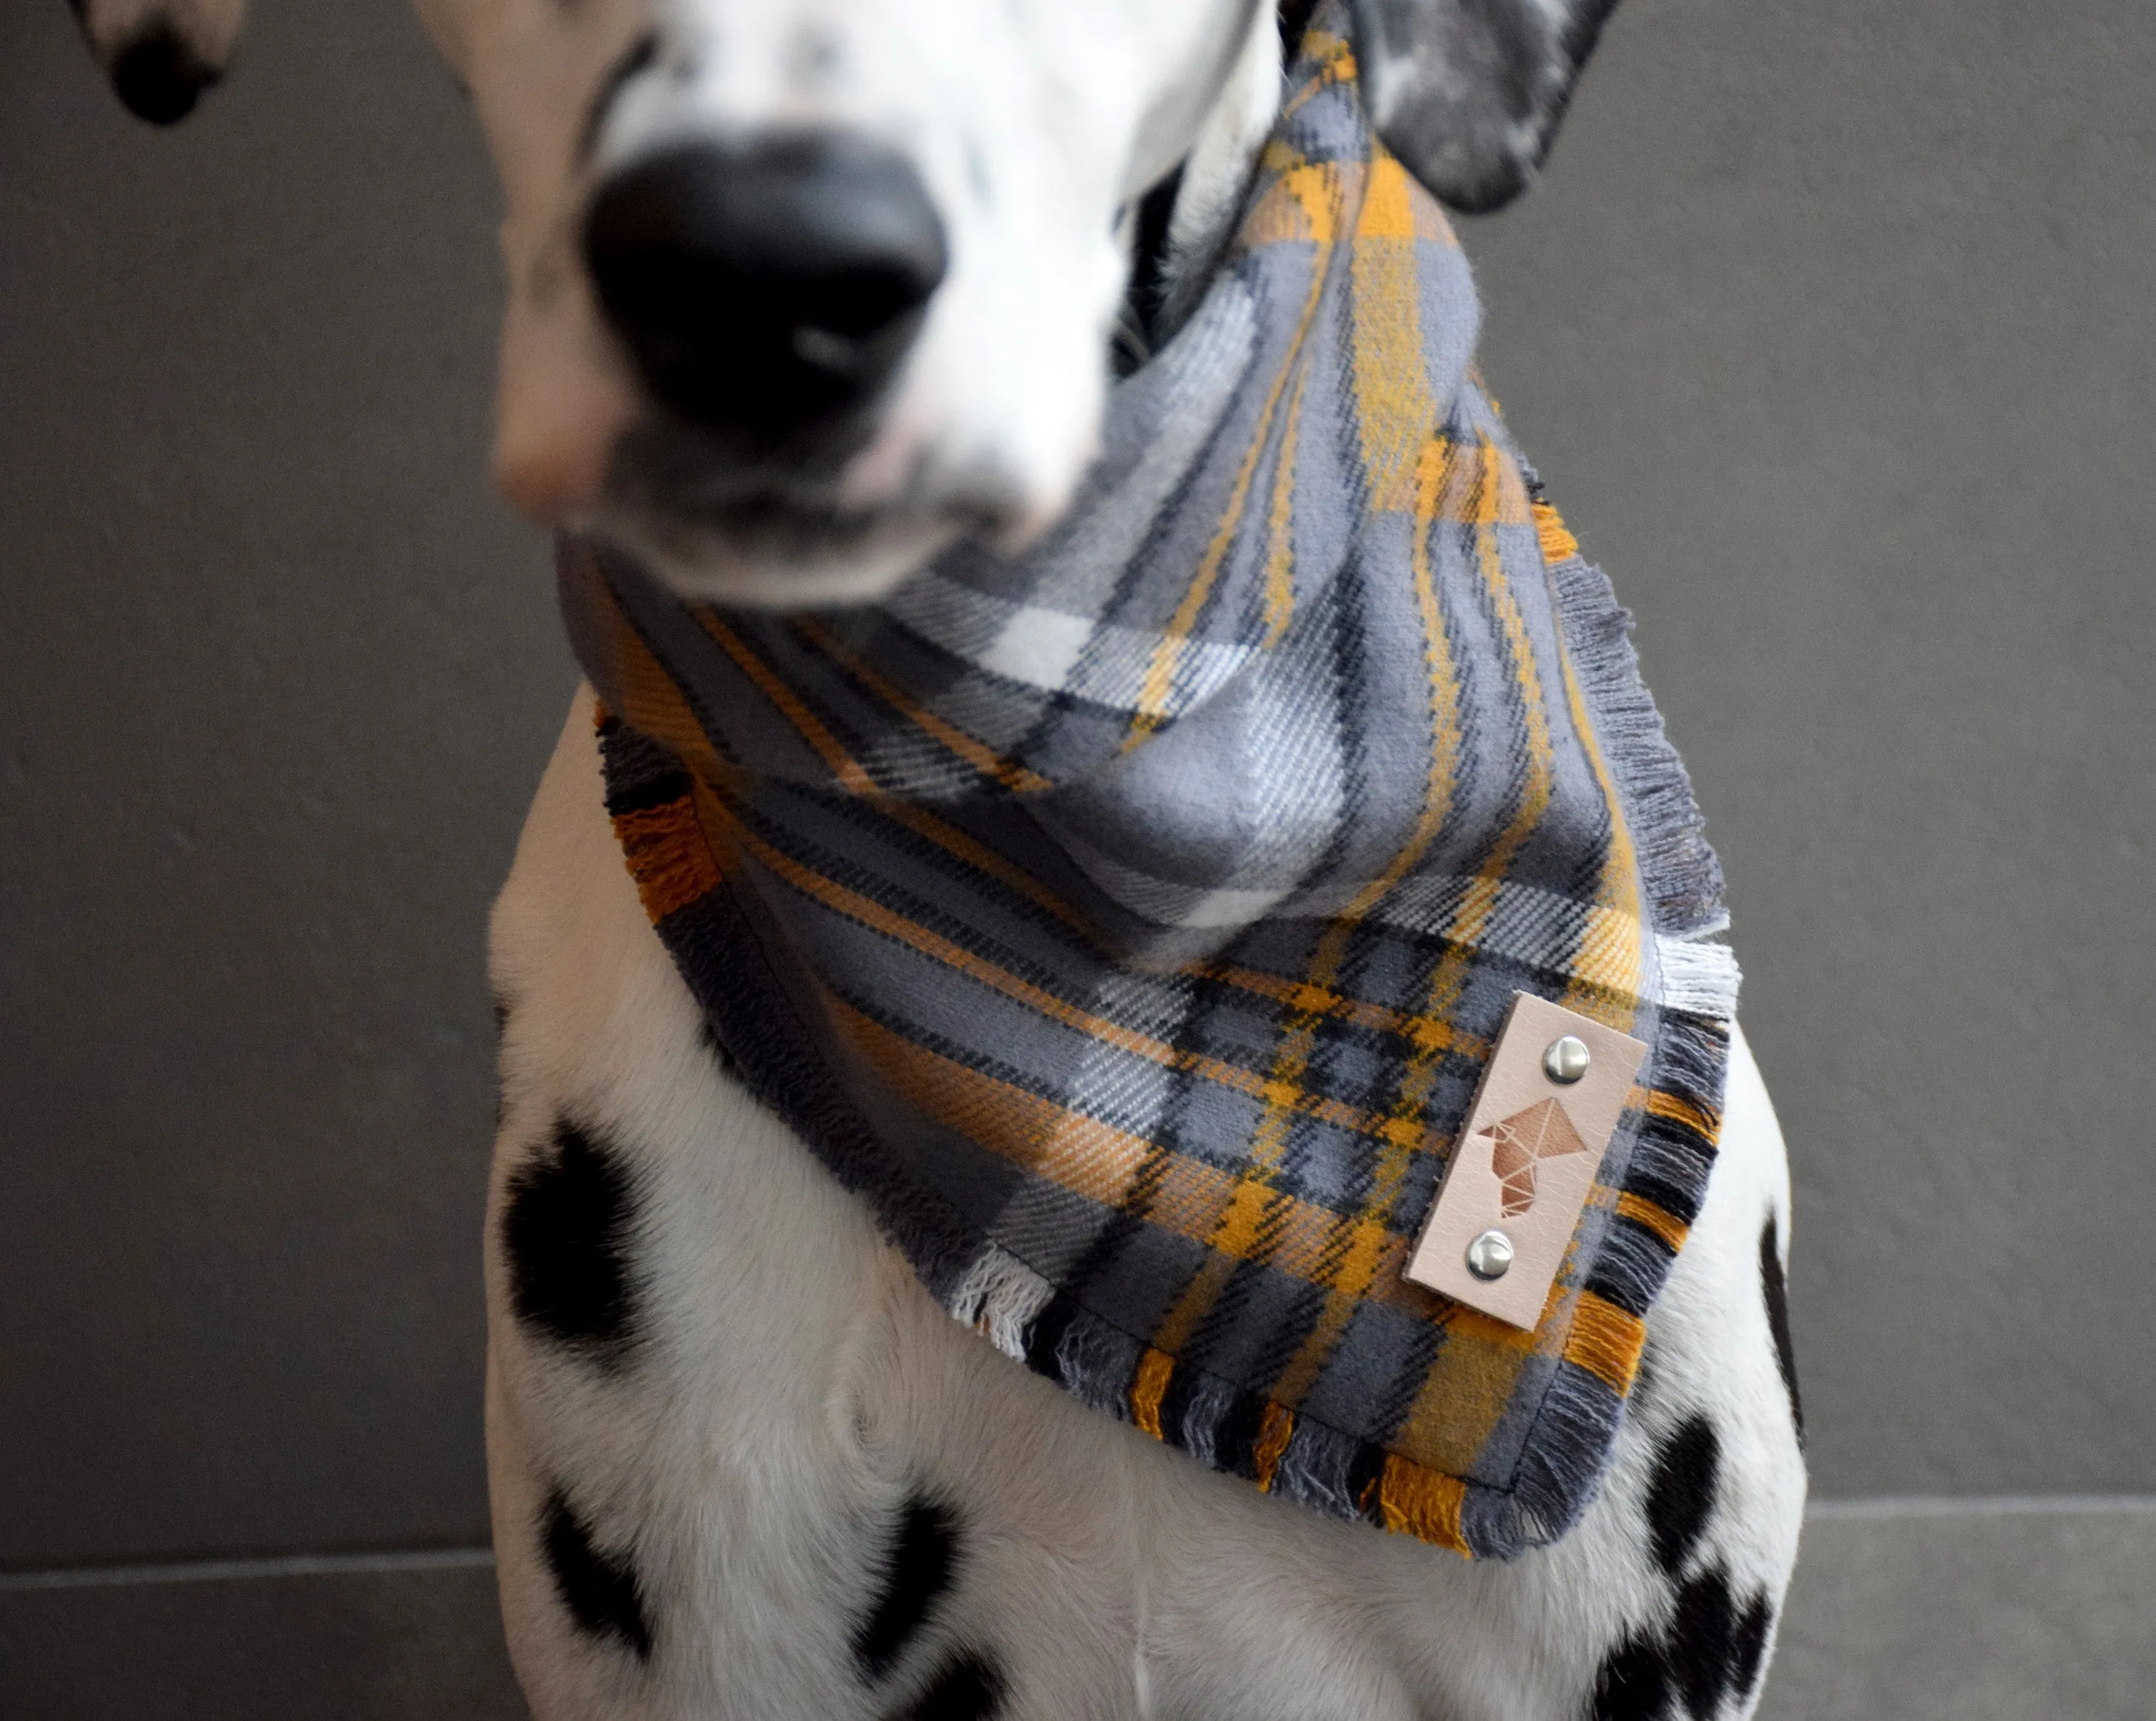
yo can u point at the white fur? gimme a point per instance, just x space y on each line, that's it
794 1385
1217 169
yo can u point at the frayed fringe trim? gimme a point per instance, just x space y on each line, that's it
1562 1468
1301 1460
1701 978
1673 1155
1316 1468
998 1297
1682 876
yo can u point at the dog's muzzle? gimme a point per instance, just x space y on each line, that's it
767 289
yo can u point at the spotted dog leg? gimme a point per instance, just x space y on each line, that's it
566 1237
741 1464
924 1558
1725 1483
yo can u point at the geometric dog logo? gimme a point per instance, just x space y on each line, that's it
1541 1132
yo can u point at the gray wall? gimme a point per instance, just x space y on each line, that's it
278 679
1832 329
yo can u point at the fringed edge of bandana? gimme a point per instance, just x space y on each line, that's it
651 798
1683 875
1663 1184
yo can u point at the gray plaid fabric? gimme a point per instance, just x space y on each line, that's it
1129 921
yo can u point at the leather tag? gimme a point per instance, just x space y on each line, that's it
1526 1161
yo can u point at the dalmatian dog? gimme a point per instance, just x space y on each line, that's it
741 1466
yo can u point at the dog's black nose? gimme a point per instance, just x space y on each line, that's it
765 286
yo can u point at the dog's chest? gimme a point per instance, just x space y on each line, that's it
742 1465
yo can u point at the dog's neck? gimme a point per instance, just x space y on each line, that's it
1181 227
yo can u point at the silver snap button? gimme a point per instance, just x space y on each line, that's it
1489 1255
1566 1060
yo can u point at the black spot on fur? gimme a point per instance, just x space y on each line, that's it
565 1233
1632 1683
969 1688
600 1590
1777 1293
924 1556
1681 1494
1749 1650
159 76
1702 1641
1709 1653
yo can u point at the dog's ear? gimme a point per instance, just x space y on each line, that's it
161 55
1468 93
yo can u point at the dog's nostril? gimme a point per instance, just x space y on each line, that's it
765 286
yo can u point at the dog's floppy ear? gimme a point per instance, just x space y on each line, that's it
1468 93
161 55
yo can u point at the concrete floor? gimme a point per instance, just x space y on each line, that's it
2006 1610
1911 1611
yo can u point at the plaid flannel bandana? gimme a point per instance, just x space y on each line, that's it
1128 922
